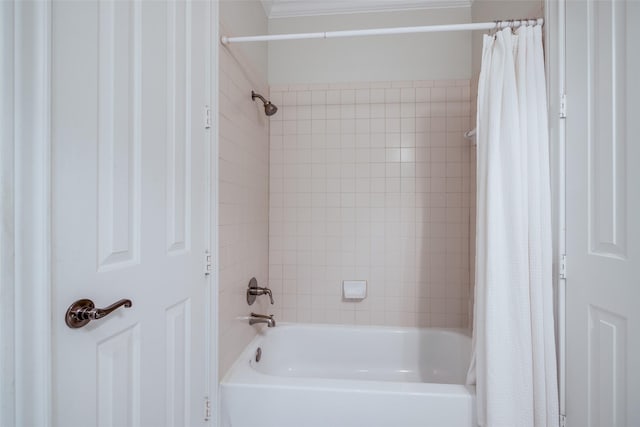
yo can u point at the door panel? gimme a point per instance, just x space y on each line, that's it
178 92
130 198
603 207
119 134
118 379
607 141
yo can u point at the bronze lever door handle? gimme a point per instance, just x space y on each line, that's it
83 311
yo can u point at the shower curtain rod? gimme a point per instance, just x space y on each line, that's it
496 25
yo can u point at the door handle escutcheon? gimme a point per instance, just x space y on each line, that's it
83 311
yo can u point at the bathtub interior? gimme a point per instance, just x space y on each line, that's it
365 353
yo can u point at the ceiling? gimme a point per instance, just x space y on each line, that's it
290 8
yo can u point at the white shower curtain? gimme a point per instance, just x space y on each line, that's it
514 361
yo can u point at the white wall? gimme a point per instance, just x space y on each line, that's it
247 18
432 56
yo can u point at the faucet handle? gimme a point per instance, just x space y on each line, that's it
255 290
261 291
268 292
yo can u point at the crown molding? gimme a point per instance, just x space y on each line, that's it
293 8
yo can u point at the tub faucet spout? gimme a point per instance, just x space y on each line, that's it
262 318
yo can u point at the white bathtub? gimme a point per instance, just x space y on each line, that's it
343 376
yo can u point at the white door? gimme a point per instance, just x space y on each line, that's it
603 213
130 207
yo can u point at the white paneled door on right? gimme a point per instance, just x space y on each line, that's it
130 210
603 213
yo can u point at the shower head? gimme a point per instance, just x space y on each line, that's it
269 108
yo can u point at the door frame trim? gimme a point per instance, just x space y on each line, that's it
27 275
555 64
213 168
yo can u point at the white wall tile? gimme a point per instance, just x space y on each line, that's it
248 168
373 181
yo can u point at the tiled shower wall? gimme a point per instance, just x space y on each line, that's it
371 181
243 207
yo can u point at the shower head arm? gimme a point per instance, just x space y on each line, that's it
257 95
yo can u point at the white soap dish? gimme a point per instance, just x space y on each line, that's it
354 290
